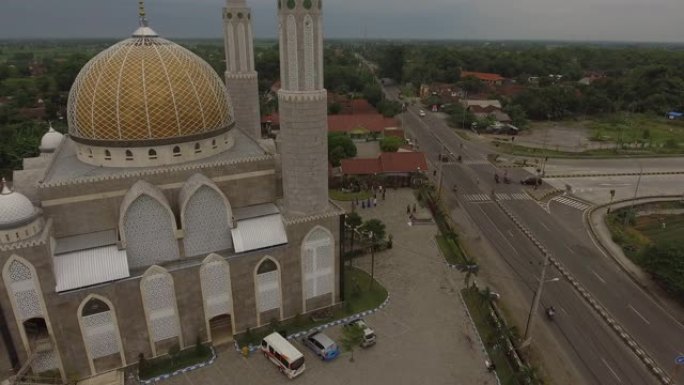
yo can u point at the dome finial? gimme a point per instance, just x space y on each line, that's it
50 129
142 14
5 189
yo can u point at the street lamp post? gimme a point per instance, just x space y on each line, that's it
535 301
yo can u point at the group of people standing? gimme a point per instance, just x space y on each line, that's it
370 202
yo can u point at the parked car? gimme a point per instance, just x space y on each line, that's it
368 333
421 113
322 345
531 181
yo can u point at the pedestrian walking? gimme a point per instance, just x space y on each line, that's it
414 208
408 209
363 204
368 203
375 202
383 195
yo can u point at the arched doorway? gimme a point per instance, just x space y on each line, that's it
217 298
221 328
100 332
37 334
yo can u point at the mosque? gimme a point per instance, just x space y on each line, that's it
163 217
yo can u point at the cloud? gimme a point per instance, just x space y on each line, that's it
643 20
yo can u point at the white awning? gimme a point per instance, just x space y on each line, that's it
258 233
90 267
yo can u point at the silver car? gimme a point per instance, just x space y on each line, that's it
368 333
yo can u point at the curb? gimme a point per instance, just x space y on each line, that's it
180 371
253 348
614 174
605 315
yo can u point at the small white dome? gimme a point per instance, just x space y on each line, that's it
50 140
15 208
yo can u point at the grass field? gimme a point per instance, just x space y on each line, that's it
661 228
634 234
650 130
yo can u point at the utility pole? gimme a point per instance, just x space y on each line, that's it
535 302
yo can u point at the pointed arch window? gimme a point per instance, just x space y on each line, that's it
108 155
198 148
213 144
129 155
268 293
100 330
176 152
152 154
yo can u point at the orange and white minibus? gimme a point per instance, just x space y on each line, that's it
286 357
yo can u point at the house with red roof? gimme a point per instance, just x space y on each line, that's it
485 77
397 167
361 125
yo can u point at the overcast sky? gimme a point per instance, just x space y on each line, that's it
622 20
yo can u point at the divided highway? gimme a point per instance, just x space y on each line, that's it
597 351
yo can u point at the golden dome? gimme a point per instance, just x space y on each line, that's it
147 90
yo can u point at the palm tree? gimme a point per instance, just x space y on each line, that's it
470 271
353 220
529 375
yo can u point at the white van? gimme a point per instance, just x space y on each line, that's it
286 357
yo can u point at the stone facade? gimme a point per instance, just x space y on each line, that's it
302 104
116 220
241 78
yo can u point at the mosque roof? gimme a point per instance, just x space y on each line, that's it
147 90
15 208
51 140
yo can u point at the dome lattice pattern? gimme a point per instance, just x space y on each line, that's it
147 88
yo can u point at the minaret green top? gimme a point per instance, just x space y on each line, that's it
142 14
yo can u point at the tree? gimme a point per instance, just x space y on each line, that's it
352 336
353 220
340 146
391 144
470 271
375 231
334 108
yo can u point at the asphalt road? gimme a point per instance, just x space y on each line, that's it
598 353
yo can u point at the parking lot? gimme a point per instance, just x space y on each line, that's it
423 336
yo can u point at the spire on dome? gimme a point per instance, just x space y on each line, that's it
144 30
5 189
142 14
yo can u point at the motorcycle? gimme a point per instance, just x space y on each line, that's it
496 178
550 313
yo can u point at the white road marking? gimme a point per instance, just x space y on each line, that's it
598 276
611 370
544 226
571 202
639 314
614 184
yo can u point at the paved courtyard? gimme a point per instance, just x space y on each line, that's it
423 335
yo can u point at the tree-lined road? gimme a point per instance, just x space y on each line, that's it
597 351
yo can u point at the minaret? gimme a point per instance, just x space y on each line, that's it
241 78
302 102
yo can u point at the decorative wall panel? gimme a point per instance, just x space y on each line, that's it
149 234
206 223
